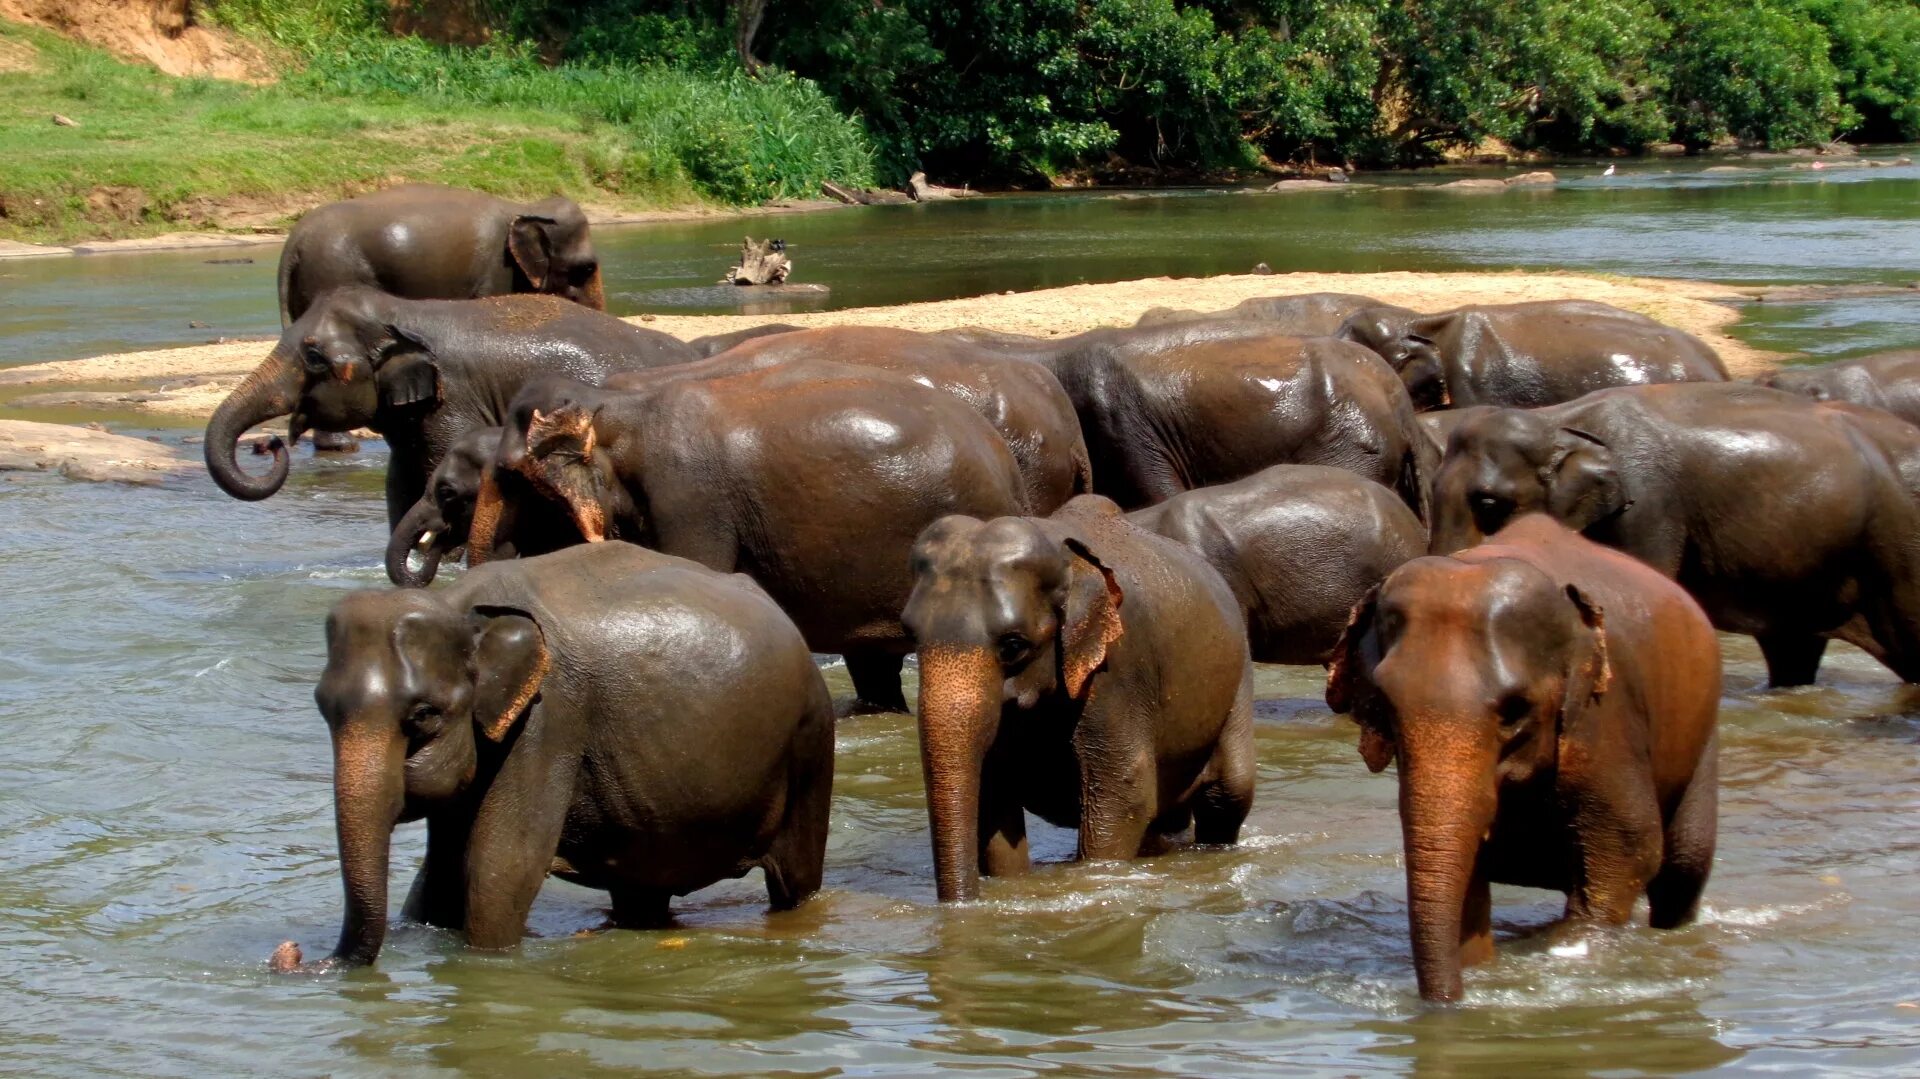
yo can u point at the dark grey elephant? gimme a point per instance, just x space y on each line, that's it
420 373
1887 380
1524 355
426 242
515 713
1298 544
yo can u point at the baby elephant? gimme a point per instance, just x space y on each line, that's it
439 523
1298 544
1081 668
624 719
1552 706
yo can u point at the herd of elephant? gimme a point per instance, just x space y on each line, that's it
1509 531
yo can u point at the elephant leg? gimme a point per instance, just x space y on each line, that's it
516 833
1792 659
439 893
641 908
1622 846
1225 796
1674 893
795 862
1894 613
1003 818
1476 922
1116 801
876 682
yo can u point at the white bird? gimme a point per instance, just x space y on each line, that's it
1609 171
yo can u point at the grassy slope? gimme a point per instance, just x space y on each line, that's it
190 147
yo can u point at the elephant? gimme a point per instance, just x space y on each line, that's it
1298 545
419 372
813 478
1166 409
439 524
624 719
714 344
1439 425
1787 519
1551 703
1022 400
1887 380
426 242
1524 355
1311 314
1084 669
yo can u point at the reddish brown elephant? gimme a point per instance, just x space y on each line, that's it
1551 703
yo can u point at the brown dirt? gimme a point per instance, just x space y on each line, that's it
192 381
157 32
17 56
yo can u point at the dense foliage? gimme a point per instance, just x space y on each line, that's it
1009 89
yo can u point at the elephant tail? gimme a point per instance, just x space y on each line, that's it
1414 485
289 265
1082 471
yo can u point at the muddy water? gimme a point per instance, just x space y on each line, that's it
1768 222
165 819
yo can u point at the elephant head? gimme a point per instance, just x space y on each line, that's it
552 450
1829 382
418 694
1467 674
551 248
1507 462
342 362
1405 339
440 522
1005 616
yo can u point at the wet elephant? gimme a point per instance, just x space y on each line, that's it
439 523
1170 408
1085 670
714 344
1298 544
1523 355
1021 399
1888 380
425 242
419 372
1790 520
1311 314
515 715
1551 704
813 478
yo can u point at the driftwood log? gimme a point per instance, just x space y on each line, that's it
762 262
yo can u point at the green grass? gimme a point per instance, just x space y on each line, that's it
382 110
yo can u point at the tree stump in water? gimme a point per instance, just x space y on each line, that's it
762 262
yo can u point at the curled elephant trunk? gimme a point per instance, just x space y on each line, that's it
1447 803
369 789
270 391
959 714
423 530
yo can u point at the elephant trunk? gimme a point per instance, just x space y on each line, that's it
959 715
593 294
369 790
271 390
421 529
1447 803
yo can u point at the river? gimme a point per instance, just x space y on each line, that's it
165 802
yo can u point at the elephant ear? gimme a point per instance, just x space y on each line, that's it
1596 674
406 373
1090 618
530 241
1346 683
1585 482
509 660
567 431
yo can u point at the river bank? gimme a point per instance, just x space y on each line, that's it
188 383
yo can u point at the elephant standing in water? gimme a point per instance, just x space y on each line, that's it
1524 355
1081 668
420 372
1298 544
441 522
1888 380
813 478
1169 408
1552 706
620 718
425 242
1787 519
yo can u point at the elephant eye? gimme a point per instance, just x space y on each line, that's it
1013 647
424 721
316 361
445 493
1490 511
1513 708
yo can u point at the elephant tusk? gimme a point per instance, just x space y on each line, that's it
425 542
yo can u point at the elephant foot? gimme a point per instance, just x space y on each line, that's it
1792 660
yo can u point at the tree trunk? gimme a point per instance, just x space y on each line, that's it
747 16
762 262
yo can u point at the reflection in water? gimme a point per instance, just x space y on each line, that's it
165 819
1776 223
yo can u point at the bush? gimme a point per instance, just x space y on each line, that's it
1756 70
1876 50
